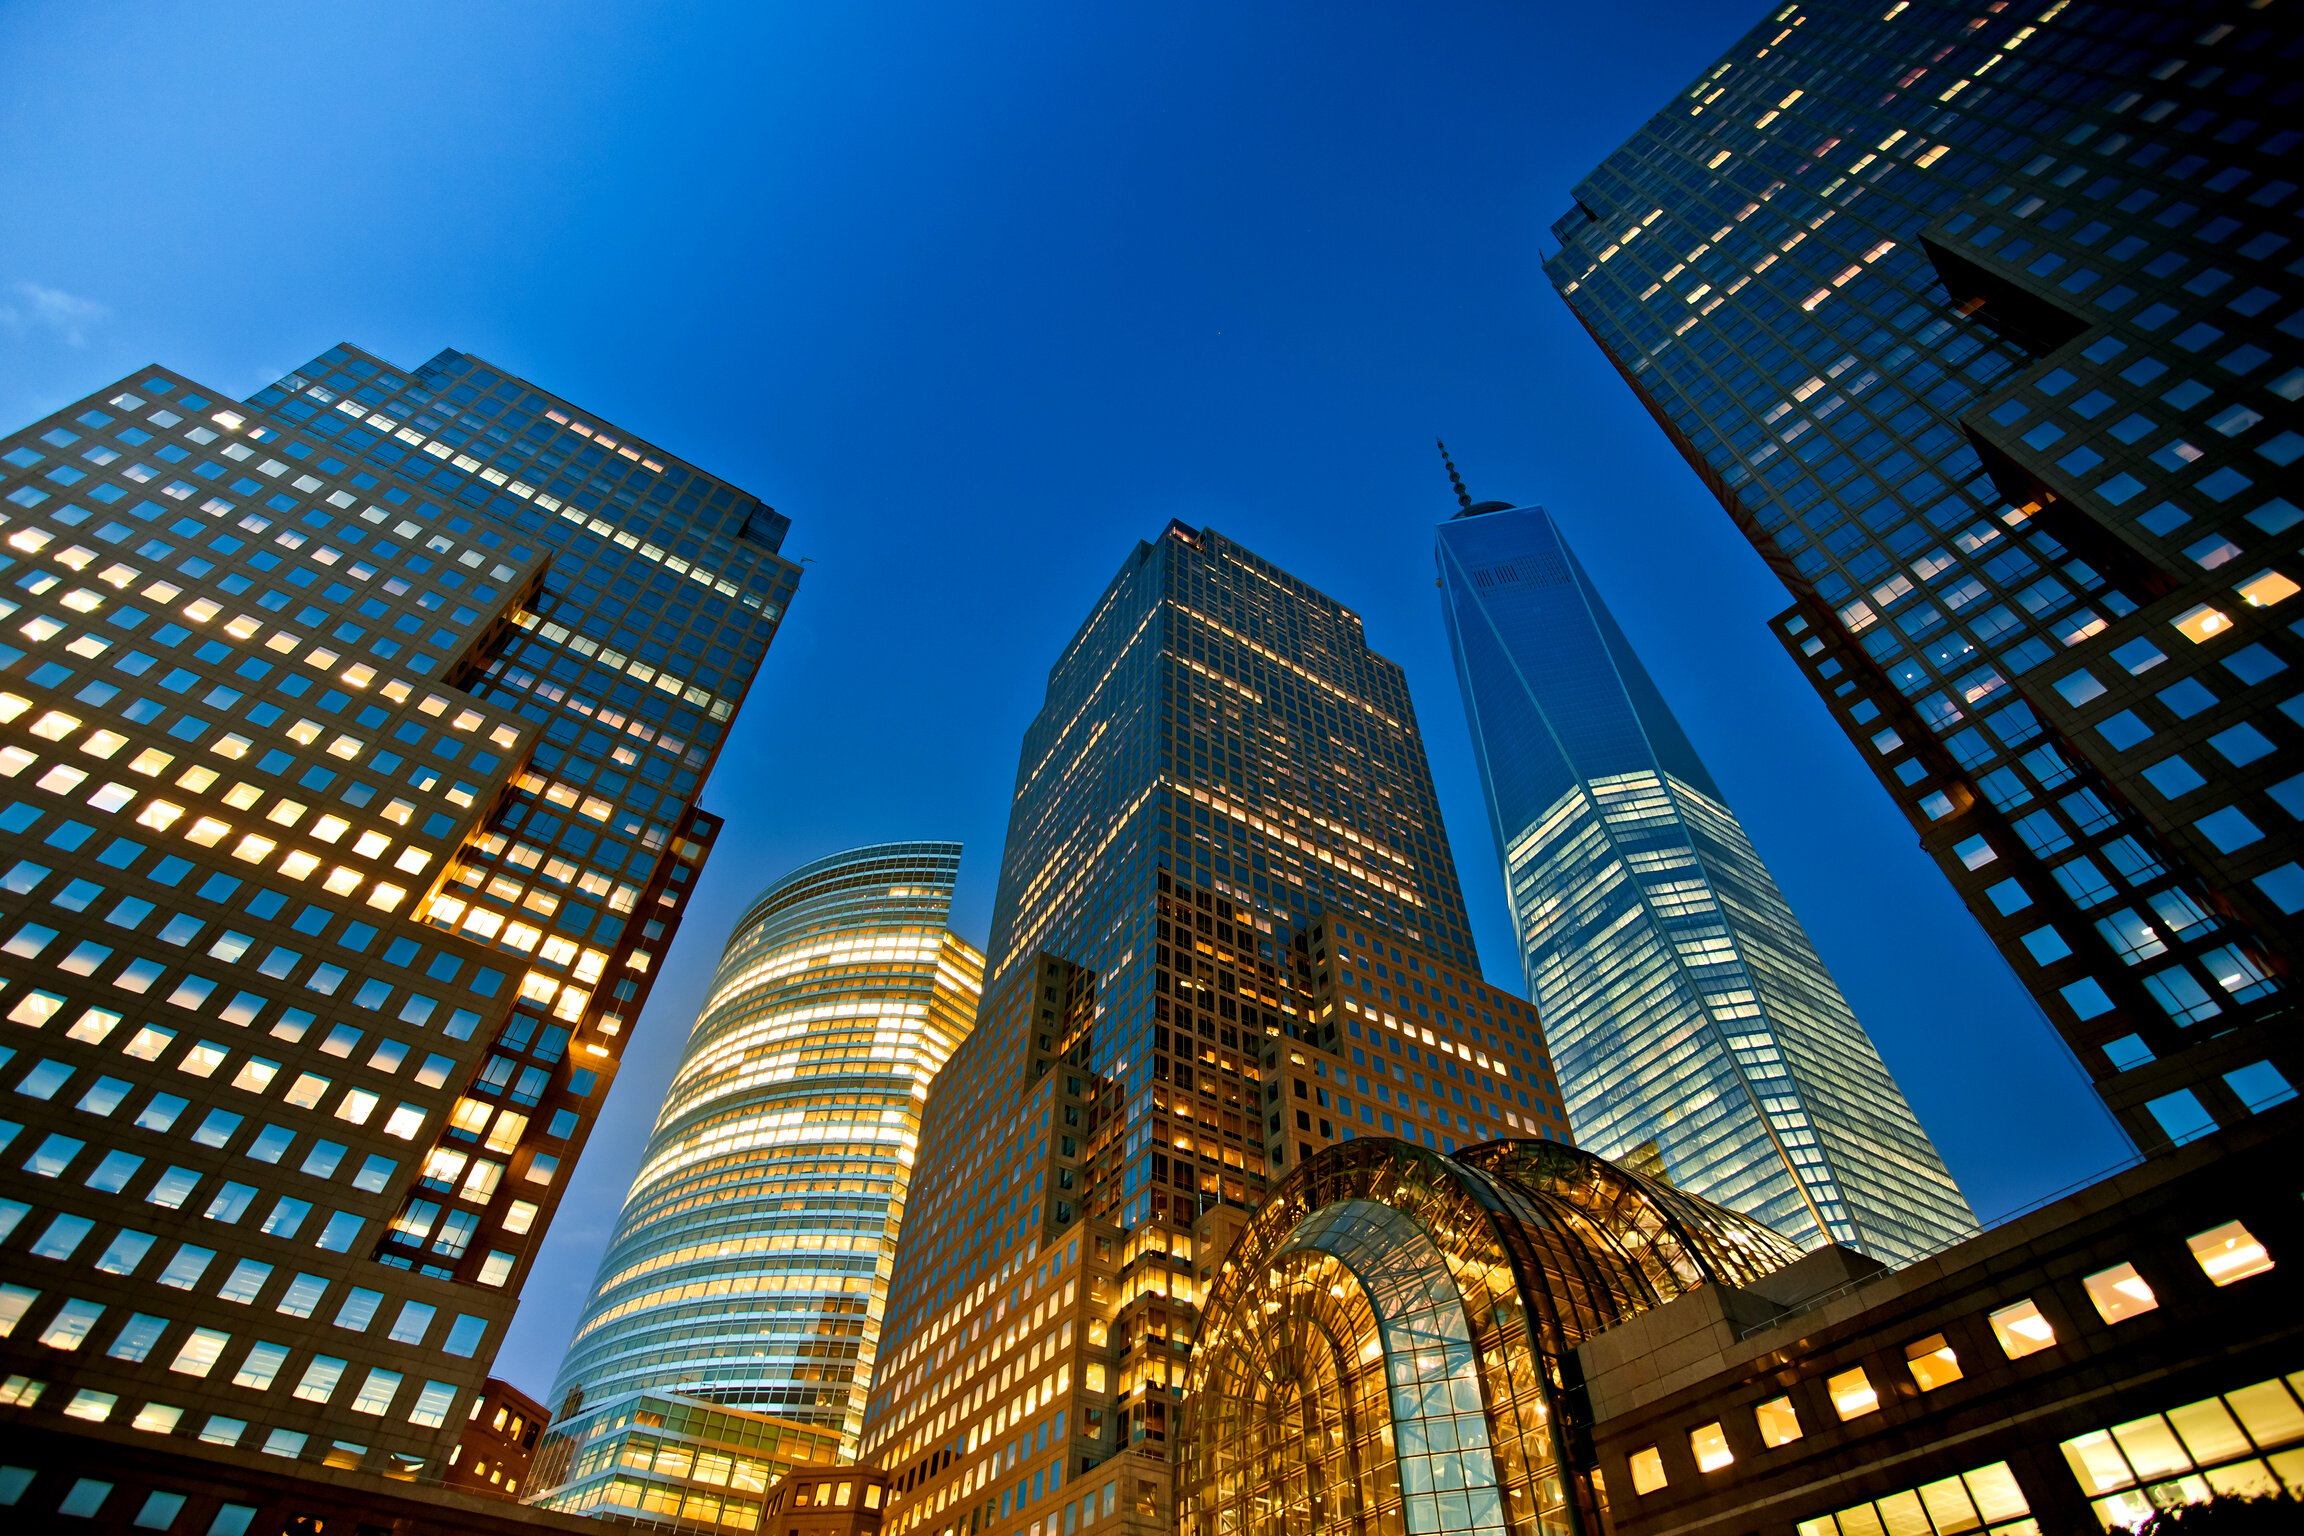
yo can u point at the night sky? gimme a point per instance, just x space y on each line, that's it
980 295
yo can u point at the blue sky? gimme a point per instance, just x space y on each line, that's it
980 295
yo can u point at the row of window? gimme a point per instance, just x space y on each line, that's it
204 1059
2226 1254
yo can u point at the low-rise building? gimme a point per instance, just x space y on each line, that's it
2137 1344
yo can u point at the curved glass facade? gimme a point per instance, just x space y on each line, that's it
1694 1028
750 1265
1382 1353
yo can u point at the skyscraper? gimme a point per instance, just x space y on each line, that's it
735 1321
1228 933
1982 323
1694 1027
353 756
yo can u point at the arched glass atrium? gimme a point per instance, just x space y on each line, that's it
749 1269
1387 1350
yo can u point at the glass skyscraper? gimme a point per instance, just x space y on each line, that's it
353 744
1695 1030
1982 321
1228 933
735 1321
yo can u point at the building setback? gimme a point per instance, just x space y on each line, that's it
1228 934
353 744
1983 325
1695 1029
743 1290
499 1442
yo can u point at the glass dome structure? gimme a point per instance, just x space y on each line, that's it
1389 1348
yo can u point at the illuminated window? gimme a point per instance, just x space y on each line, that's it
2201 622
2186 1452
2022 1331
1851 1393
1975 1500
2120 1293
1709 1445
2265 588
2229 1253
1779 1422
1932 1362
1648 1470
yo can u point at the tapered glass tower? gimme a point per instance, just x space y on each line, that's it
1695 1030
735 1321
1982 322
351 759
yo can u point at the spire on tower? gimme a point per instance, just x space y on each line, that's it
1463 496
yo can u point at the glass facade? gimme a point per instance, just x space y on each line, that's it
1695 1030
1983 325
1228 933
749 1268
347 811
1384 1348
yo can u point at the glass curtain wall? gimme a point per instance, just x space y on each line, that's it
750 1265
1694 1028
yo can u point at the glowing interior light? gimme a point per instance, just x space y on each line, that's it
2201 622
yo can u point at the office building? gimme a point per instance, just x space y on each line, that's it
1228 934
1694 1028
1982 323
1391 1344
353 739
746 1281
2126 1349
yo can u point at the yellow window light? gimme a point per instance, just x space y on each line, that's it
1779 1422
2229 1253
1852 1393
2201 623
2120 1293
2265 588
1932 1363
2022 1330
